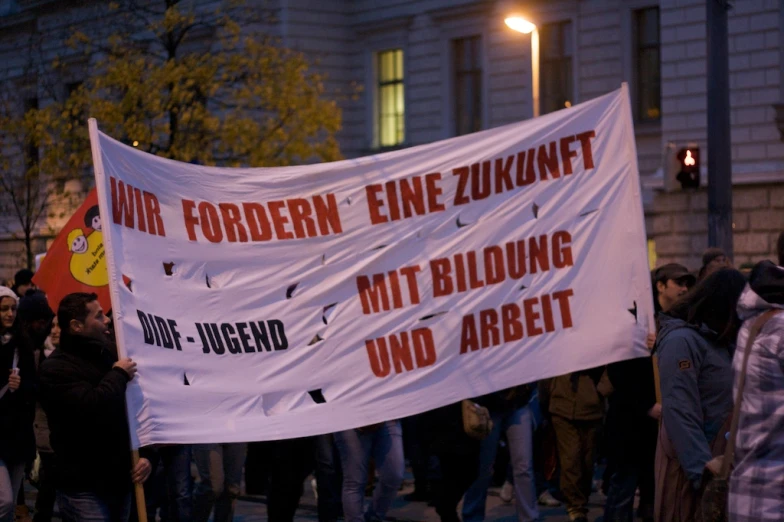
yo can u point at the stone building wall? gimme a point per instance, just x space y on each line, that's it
678 223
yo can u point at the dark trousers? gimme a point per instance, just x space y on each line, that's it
576 442
290 463
329 478
79 507
417 448
176 463
169 489
458 473
257 468
632 463
44 502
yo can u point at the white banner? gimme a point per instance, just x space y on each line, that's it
285 302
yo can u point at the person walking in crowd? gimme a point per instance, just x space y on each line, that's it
632 417
757 481
44 502
23 281
631 431
291 461
384 443
511 415
329 478
220 473
545 455
458 456
575 410
82 387
17 405
34 324
170 486
713 259
670 282
695 343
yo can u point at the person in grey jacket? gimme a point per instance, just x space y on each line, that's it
695 346
757 480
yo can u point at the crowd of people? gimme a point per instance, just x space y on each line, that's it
658 426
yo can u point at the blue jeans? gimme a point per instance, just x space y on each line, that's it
11 478
518 427
177 488
90 507
385 444
220 474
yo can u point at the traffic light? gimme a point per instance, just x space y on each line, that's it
689 163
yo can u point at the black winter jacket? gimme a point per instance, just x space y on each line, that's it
17 408
84 400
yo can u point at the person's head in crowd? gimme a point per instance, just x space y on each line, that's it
80 314
670 281
780 248
712 303
35 317
23 281
8 306
713 259
54 335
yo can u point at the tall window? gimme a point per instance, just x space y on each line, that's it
466 53
648 72
391 98
556 82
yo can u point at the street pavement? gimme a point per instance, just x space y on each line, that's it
254 508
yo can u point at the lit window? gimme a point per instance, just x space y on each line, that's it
391 99
647 70
468 84
652 254
556 85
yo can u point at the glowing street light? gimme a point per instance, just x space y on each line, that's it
522 25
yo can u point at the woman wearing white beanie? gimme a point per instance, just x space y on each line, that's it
17 405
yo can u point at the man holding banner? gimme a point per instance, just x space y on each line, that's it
82 387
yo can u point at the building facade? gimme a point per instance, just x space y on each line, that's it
433 69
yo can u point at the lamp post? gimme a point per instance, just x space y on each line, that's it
719 139
522 25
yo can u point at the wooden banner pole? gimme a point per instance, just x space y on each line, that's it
141 506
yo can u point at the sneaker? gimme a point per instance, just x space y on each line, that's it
547 499
507 490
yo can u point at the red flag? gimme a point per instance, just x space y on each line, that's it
76 261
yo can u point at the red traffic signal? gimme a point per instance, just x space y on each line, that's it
689 174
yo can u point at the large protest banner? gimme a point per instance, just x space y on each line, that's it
286 302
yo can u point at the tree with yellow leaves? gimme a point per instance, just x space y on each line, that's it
193 85
181 81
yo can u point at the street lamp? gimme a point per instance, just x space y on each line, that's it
522 25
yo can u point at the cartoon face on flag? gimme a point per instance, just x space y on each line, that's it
76 261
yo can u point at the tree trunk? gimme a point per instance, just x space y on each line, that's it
28 240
